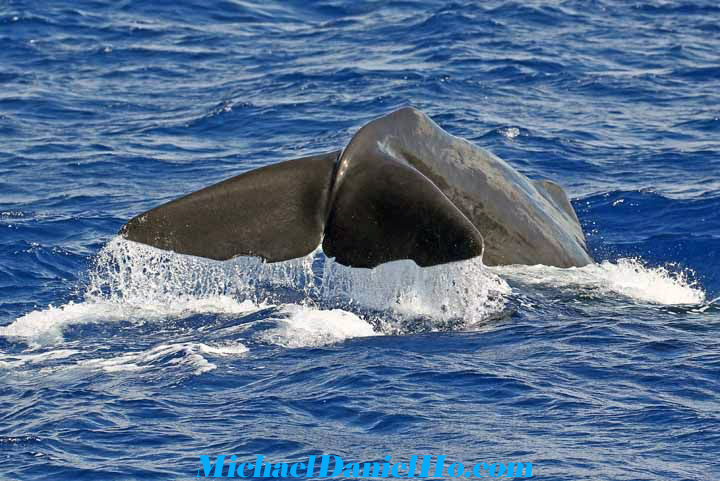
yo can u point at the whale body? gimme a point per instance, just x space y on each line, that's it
403 188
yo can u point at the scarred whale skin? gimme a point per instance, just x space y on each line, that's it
522 222
403 188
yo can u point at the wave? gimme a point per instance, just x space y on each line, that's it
186 354
46 325
12 361
308 327
315 301
627 277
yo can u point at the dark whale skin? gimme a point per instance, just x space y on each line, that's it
403 188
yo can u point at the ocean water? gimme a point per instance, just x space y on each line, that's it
120 362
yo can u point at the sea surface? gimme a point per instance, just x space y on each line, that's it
122 362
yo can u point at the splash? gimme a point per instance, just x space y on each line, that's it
136 274
137 283
134 282
628 277
464 290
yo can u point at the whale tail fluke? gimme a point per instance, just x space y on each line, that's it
383 211
276 212
403 188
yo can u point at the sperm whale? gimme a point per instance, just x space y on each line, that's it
403 188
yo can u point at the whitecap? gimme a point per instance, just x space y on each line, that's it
630 278
8 361
186 354
309 327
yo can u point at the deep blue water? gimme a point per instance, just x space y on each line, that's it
118 362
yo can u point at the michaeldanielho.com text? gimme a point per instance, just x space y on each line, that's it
330 465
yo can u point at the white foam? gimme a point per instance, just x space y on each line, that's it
46 325
309 327
627 277
709 304
510 132
8 361
188 354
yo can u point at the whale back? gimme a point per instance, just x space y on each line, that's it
522 222
387 212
